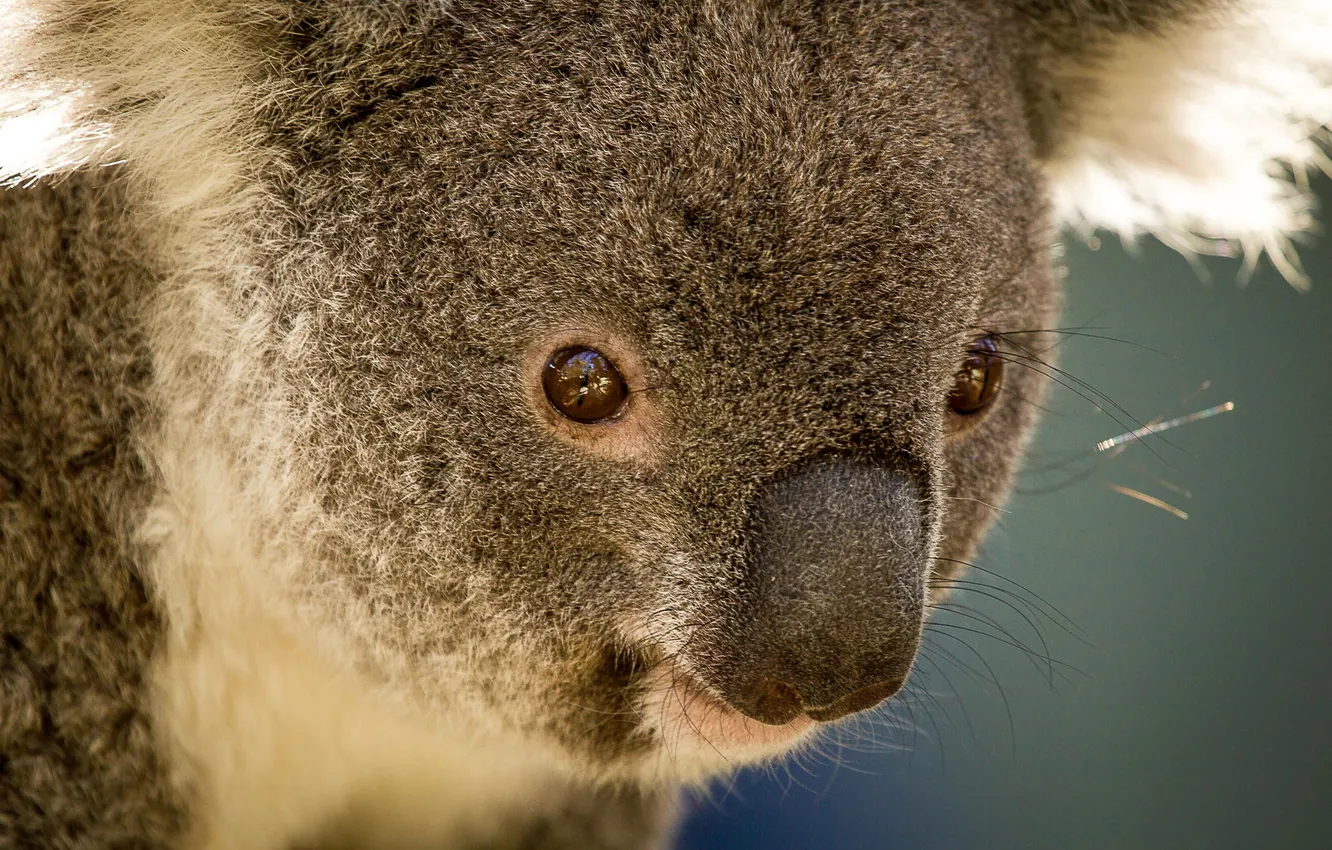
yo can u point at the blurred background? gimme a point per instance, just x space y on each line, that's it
1176 686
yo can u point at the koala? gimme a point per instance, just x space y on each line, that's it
465 424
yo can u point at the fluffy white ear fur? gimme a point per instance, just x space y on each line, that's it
1202 134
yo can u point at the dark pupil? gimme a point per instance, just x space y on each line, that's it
977 381
583 385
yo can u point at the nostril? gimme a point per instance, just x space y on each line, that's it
775 703
860 700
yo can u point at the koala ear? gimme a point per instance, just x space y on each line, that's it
165 84
43 122
1194 120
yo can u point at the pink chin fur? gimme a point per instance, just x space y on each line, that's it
688 717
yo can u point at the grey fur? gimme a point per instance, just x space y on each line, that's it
796 216
78 761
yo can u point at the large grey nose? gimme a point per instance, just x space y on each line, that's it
835 609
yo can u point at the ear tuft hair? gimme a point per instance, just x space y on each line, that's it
161 85
42 130
1198 128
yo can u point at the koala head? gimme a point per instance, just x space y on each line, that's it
651 368
668 362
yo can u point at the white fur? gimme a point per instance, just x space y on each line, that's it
1203 131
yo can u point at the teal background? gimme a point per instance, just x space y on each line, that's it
1199 714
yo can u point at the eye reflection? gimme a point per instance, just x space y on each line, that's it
976 383
583 385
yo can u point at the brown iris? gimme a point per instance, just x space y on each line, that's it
977 382
584 385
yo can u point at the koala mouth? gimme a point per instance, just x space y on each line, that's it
688 717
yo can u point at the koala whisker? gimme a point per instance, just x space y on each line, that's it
1045 409
797 760
989 505
1000 633
899 717
913 698
981 590
1091 395
1012 599
833 750
971 672
961 704
1091 461
1077 332
974 613
1004 596
993 678
726 783
656 639
823 746
910 722
981 618
930 653
1036 616
928 699
652 638
684 711
1019 645
675 672
608 713
838 759
1032 597
1084 390
820 747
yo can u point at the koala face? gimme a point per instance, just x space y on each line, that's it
659 371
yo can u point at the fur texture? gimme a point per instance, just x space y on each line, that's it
294 554
76 737
1196 126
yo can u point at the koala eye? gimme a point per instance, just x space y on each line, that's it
584 385
976 383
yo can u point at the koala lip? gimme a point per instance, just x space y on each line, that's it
863 699
688 711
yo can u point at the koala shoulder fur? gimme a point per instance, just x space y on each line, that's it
439 423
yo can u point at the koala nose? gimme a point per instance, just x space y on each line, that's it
839 557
